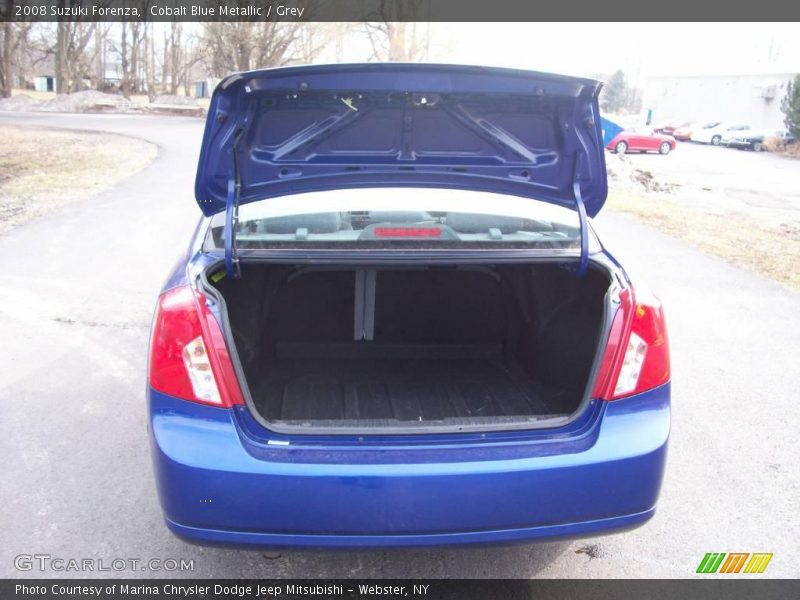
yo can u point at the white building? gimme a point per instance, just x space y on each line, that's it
749 99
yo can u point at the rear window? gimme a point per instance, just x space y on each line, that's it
404 217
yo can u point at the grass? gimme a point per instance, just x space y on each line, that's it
42 169
772 252
781 147
137 98
143 99
34 94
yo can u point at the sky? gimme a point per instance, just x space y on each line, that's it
639 49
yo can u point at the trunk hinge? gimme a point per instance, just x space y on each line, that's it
232 213
583 262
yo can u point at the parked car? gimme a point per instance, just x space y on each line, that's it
670 127
641 139
684 134
733 132
716 135
754 140
395 325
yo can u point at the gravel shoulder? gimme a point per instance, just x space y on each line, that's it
44 169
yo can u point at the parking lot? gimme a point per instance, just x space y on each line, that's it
77 290
718 179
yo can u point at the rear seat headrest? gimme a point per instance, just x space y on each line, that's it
399 216
477 223
330 222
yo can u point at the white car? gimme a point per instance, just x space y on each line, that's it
721 134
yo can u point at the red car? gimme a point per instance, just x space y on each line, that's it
670 127
641 140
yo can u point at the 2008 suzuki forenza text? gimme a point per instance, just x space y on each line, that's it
395 325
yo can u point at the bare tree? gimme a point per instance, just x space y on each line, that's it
174 51
137 55
132 54
72 61
125 79
239 46
191 58
35 45
340 34
395 35
150 62
13 37
179 56
172 57
95 56
313 38
100 34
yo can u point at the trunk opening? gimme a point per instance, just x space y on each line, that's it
353 349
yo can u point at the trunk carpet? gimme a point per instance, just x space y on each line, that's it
458 383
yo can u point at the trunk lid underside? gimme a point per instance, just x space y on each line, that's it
287 131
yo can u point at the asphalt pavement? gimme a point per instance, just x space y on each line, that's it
760 185
77 290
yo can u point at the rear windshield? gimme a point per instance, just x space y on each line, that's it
406 217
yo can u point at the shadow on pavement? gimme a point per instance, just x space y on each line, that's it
510 561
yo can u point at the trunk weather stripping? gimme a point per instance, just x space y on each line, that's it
232 212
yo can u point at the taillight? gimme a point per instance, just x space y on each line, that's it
188 356
636 357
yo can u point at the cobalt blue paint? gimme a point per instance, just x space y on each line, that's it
601 473
223 478
402 125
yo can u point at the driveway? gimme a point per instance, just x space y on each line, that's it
77 291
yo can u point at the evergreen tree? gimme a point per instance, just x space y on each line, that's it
615 93
790 105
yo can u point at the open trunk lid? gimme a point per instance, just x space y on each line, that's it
285 131
288 131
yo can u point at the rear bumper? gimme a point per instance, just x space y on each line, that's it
247 539
219 485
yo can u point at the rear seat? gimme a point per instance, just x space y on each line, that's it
314 223
399 216
477 223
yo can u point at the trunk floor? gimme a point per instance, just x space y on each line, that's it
407 389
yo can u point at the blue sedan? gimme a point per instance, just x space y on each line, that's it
395 325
